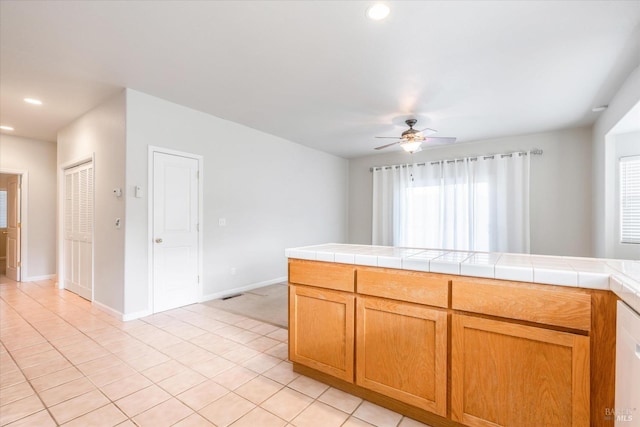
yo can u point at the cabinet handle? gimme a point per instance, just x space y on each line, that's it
638 351
158 240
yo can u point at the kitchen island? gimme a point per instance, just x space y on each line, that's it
460 338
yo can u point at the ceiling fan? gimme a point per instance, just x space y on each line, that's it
411 139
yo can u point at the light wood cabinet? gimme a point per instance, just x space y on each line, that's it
507 374
455 351
321 330
550 305
402 352
410 286
340 277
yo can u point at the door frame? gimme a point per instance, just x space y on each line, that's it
60 231
24 229
150 210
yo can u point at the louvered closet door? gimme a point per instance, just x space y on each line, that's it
78 230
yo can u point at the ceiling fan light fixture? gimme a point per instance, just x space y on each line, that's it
33 101
378 11
411 146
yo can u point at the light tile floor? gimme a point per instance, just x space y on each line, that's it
63 362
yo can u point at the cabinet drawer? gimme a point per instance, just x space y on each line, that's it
551 305
420 288
340 277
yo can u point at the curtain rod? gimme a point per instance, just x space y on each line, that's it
533 152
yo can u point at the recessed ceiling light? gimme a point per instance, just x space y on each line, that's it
3 127
378 11
33 101
599 108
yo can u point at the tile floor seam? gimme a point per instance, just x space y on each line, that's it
271 371
28 381
46 408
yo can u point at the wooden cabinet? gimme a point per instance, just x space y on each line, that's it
507 374
451 350
340 277
402 352
321 330
410 286
321 317
549 305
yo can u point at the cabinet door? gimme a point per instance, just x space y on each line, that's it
505 374
321 327
402 352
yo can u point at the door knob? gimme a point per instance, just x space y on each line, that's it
158 240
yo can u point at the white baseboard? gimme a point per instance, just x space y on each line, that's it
137 315
107 309
240 289
209 297
118 315
38 278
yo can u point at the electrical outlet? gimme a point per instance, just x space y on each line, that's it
222 222
233 271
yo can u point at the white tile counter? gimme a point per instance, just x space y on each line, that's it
620 276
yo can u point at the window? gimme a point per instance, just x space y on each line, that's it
630 199
438 218
478 204
3 208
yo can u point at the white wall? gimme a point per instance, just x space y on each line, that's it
100 133
603 151
38 158
560 186
273 193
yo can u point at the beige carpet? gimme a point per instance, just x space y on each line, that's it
267 304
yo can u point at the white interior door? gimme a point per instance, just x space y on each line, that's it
13 228
78 230
175 231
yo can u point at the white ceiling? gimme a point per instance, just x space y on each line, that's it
318 72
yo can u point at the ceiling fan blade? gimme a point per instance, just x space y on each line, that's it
385 146
429 131
388 137
440 140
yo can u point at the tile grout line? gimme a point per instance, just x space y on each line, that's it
28 380
190 317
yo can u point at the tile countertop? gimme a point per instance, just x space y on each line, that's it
620 276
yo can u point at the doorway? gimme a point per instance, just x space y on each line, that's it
175 211
10 226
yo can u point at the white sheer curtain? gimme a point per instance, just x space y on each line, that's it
479 204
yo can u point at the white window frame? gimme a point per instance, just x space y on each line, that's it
629 214
3 208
